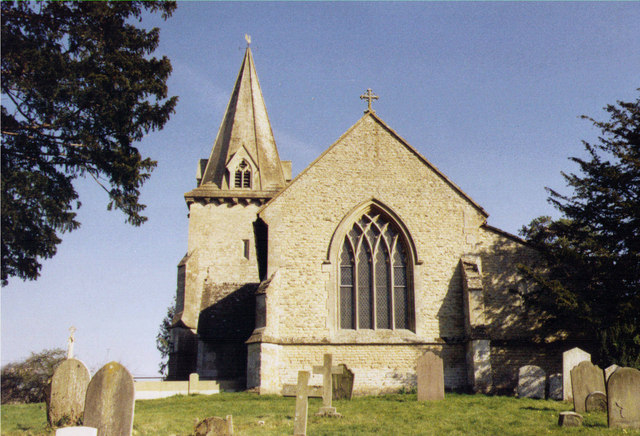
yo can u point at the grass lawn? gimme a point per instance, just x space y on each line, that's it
398 414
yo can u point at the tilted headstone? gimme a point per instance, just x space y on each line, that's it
531 382
302 404
555 386
596 402
585 378
570 419
343 384
430 375
610 370
327 370
623 393
570 359
68 390
77 431
215 426
110 401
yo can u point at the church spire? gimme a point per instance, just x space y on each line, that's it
244 155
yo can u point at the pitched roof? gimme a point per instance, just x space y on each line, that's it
246 125
373 115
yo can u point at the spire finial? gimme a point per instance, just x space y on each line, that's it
247 38
369 96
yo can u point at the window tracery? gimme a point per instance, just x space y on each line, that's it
243 175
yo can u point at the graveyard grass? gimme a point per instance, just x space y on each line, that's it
397 414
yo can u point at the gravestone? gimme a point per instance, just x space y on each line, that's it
110 401
570 419
68 390
531 382
596 402
343 384
215 426
430 375
570 359
327 370
77 431
585 378
302 404
555 386
623 392
610 370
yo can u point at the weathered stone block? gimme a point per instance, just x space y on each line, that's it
570 419
531 382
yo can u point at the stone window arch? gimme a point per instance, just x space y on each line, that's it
374 275
243 175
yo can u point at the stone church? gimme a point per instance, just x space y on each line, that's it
370 253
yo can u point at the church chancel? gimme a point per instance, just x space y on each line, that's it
370 254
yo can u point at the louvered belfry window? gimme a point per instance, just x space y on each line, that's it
374 285
243 176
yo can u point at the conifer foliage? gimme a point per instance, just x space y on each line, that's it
79 88
589 284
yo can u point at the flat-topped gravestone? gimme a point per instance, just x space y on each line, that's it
110 401
430 375
585 378
609 370
215 426
570 359
596 402
555 386
623 392
570 419
531 382
77 431
343 384
68 390
302 404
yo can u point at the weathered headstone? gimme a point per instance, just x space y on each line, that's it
430 375
77 431
194 379
68 390
327 370
555 386
609 370
343 384
110 401
531 382
570 419
215 426
623 392
596 402
570 359
302 404
585 378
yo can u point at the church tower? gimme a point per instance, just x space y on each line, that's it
225 261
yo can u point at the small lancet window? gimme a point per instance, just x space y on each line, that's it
243 175
374 285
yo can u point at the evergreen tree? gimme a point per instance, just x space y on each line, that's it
163 339
79 88
589 281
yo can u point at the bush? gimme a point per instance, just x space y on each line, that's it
28 381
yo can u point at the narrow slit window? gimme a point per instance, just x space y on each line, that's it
246 248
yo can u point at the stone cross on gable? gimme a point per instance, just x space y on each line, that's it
70 341
327 370
370 96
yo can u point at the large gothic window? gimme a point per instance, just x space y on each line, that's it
243 175
374 285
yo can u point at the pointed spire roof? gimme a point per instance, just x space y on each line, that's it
245 129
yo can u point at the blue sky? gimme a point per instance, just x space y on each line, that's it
490 93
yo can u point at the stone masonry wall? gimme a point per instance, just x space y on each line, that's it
368 162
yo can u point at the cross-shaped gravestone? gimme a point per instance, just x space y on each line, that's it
369 96
70 341
302 404
327 385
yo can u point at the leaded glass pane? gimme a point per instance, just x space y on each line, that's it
382 288
364 287
399 276
346 307
399 257
401 304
